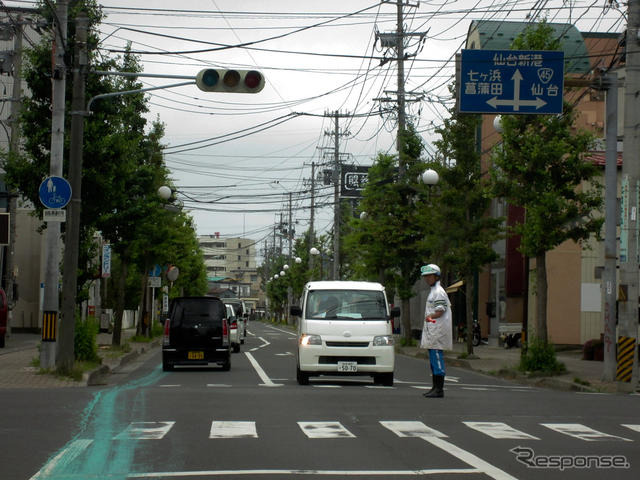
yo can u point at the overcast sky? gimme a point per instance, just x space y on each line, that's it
325 58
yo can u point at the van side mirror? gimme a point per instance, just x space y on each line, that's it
295 310
395 312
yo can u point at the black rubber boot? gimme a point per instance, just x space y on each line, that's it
433 386
438 392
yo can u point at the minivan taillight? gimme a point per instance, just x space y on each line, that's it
225 331
165 339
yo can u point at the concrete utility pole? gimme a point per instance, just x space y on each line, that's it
628 304
610 242
14 148
72 239
336 191
401 93
50 303
313 208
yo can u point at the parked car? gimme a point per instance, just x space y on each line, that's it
235 328
3 316
196 332
345 329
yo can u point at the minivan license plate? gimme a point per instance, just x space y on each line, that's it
347 366
195 355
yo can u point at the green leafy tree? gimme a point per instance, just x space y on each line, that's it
541 167
465 232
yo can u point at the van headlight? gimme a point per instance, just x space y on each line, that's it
310 339
382 340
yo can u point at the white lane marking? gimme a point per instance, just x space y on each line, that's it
145 431
582 432
282 471
264 344
325 430
295 334
379 386
169 386
285 354
266 381
326 386
216 385
223 429
499 430
63 458
632 427
484 389
420 430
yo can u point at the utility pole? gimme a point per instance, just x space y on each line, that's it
335 177
50 304
313 208
14 148
628 305
396 40
72 238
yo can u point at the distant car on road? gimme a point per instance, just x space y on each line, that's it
196 332
3 316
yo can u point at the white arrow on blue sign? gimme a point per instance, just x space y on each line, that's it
511 81
54 192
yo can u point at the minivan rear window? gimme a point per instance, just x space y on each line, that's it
346 305
197 312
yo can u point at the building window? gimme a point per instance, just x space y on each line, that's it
246 264
239 245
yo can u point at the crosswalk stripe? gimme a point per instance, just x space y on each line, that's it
500 430
63 458
411 429
224 429
325 430
582 432
145 431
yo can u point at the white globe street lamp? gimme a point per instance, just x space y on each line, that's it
314 251
164 192
497 124
285 267
276 276
282 273
363 215
430 177
298 260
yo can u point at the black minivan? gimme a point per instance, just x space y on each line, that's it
196 332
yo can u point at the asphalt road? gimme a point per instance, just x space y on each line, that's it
255 421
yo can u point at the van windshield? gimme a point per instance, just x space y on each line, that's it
197 312
346 305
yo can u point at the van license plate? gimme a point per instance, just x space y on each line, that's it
195 355
347 366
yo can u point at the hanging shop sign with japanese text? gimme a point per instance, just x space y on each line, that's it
511 81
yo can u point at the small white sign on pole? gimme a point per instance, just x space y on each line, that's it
154 282
54 215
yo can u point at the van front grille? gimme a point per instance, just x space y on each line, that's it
347 344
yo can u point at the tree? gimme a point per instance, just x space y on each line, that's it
466 232
541 167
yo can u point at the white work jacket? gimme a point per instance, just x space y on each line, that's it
437 334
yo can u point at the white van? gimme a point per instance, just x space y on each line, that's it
345 329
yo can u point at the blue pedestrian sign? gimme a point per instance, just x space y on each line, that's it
55 192
511 81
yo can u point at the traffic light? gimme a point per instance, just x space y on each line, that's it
230 81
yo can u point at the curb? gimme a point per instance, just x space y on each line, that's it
93 377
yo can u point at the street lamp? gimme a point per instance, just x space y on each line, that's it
429 177
165 192
298 260
315 252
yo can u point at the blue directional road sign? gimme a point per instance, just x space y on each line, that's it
511 81
55 192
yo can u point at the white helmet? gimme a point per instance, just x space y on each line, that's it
431 269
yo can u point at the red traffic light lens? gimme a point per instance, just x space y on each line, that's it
231 78
252 79
210 77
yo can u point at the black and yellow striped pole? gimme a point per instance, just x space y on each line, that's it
49 326
626 350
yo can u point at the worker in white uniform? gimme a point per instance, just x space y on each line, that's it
436 331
